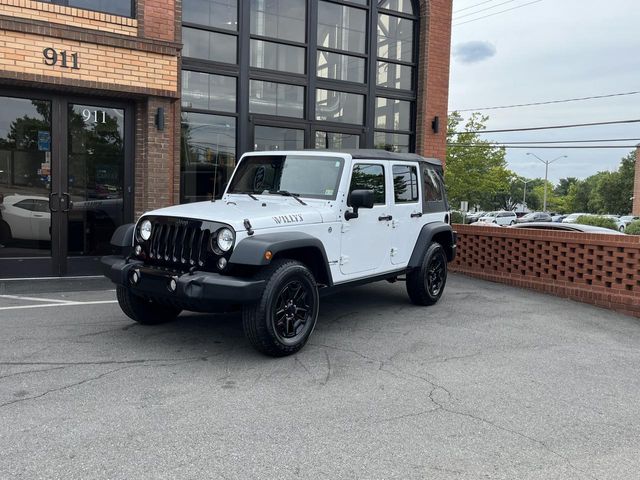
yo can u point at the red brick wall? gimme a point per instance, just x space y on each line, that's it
157 159
433 76
592 268
636 187
158 19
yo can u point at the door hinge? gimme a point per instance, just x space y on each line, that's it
394 252
345 228
344 259
394 223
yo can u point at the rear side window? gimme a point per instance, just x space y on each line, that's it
432 186
367 176
405 184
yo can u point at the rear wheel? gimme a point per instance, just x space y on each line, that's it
281 322
426 283
143 311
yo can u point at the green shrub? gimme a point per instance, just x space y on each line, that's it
633 228
456 217
597 221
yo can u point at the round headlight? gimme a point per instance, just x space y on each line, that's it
225 239
145 230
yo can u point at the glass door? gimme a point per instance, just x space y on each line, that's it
66 175
96 195
27 245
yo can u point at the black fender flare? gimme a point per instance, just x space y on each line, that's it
428 232
251 250
122 238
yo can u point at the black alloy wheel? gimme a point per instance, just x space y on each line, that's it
282 320
426 283
436 275
292 311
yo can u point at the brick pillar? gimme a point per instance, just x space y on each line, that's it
433 77
155 167
636 185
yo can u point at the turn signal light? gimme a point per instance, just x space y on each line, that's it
268 255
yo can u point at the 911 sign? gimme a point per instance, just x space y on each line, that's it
66 60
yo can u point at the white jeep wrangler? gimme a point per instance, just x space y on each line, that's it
291 225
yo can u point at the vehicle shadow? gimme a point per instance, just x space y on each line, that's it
351 308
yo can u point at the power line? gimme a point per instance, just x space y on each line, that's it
566 100
473 6
575 141
483 10
498 145
497 13
528 129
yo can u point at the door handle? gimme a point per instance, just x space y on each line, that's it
68 203
416 215
51 196
386 218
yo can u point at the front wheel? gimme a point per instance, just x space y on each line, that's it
282 320
143 311
425 284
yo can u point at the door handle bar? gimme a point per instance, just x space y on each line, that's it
67 202
386 218
51 196
416 215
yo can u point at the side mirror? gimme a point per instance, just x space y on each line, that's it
359 199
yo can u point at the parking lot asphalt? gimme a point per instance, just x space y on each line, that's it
492 382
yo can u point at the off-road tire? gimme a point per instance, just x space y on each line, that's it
5 232
419 287
143 311
261 320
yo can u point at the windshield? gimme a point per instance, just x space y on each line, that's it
306 176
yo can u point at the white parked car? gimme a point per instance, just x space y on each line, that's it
289 226
24 217
501 218
573 217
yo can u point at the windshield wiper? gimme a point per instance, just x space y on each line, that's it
286 193
247 193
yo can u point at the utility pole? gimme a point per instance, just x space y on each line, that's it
546 174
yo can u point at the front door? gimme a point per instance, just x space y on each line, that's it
65 183
365 240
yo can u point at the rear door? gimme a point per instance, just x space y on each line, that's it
406 210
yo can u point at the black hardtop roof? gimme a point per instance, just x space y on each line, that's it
377 154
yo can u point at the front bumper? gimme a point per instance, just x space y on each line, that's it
198 291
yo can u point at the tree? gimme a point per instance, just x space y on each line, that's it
476 170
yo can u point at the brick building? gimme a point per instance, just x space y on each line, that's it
109 108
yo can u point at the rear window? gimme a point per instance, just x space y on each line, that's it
405 184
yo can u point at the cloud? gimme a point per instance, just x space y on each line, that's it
473 52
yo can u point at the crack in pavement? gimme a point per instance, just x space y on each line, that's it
440 406
26 372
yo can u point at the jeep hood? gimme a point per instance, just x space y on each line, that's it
264 213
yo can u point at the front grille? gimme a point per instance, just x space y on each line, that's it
180 244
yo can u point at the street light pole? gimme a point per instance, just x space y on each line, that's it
546 175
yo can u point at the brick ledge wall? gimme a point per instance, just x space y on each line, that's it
602 270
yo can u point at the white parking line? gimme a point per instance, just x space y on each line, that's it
34 299
66 304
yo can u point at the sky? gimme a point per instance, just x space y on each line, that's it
550 50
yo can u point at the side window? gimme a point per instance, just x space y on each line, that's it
369 177
25 205
432 186
405 184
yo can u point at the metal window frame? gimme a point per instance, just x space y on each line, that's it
244 73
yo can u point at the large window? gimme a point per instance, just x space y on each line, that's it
122 8
293 74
